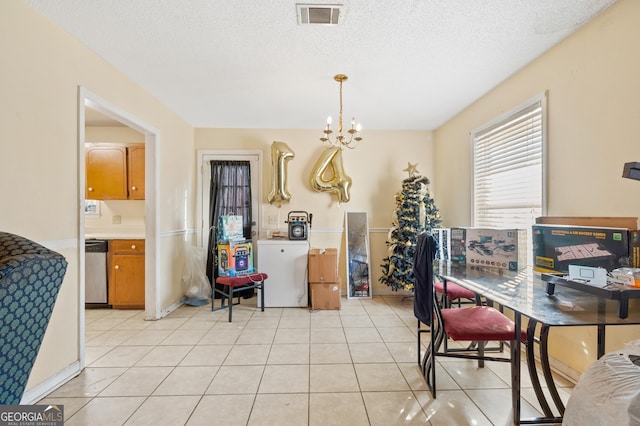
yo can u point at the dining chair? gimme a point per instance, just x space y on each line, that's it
423 295
479 324
453 294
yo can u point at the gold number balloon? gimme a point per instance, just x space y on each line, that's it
328 175
280 156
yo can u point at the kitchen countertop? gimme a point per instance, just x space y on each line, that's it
114 236
132 233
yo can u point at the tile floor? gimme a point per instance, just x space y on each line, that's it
284 366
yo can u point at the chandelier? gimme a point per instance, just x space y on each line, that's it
353 137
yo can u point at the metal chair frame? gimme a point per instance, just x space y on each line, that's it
233 285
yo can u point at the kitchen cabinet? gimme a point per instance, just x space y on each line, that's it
126 274
285 262
135 175
106 172
114 171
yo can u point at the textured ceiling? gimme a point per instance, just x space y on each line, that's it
412 64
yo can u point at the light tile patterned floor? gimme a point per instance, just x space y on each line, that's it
284 366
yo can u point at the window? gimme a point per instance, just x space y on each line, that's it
508 168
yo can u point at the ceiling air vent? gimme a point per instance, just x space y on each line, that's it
326 14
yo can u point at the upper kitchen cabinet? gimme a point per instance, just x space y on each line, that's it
114 171
135 163
106 166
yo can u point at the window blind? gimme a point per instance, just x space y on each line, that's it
508 169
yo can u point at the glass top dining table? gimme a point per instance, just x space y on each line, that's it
526 294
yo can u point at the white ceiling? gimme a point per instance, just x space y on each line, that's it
412 64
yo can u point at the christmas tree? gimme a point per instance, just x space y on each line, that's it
415 214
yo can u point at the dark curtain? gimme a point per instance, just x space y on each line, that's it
229 194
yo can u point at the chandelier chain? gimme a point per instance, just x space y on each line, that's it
340 120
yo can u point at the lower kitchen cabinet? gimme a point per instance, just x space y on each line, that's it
126 274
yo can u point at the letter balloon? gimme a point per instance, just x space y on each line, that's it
328 175
280 156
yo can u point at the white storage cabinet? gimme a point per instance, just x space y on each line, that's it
285 262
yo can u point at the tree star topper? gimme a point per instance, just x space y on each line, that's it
412 169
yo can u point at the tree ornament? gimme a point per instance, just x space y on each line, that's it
412 169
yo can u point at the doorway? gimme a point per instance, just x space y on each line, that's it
204 178
89 102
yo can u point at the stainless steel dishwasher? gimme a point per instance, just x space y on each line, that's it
95 273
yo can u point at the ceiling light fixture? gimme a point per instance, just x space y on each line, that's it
350 141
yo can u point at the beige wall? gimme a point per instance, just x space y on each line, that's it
375 166
593 82
42 68
112 134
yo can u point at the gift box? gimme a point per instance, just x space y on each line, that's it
230 228
235 258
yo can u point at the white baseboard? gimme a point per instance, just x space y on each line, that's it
564 370
38 392
166 311
557 367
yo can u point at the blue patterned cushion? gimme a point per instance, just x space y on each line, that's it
30 278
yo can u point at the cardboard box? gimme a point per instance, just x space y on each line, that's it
235 258
458 253
443 239
325 296
634 248
497 248
593 221
555 247
323 265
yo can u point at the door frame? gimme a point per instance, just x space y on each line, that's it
152 303
205 156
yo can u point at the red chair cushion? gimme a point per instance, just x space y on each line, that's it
242 279
454 291
479 323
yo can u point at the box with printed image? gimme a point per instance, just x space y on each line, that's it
235 258
497 248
